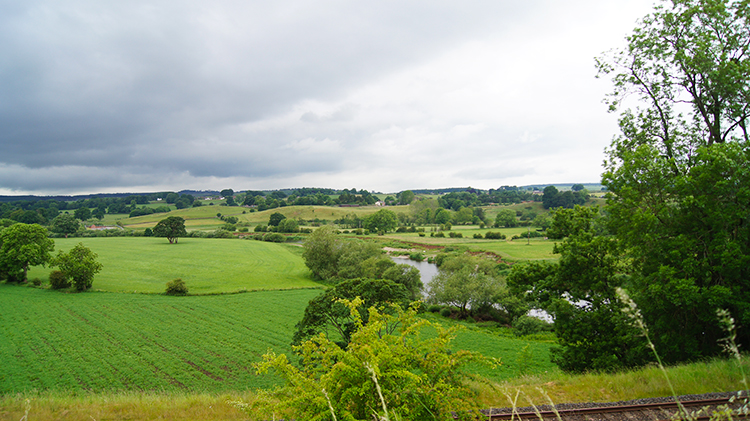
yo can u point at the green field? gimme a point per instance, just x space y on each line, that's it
105 341
100 341
146 264
204 217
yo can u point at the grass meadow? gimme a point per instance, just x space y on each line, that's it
146 264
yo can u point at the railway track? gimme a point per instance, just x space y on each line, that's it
698 410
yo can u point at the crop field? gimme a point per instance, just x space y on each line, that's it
146 264
104 341
107 341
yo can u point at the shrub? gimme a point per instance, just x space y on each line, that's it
401 229
419 377
494 236
478 235
176 287
418 257
446 312
58 280
455 234
274 237
421 234
36 282
435 308
440 234
528 325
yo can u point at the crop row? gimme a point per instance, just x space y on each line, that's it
103 341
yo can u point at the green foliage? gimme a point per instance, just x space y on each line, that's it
325 314
65 224
58 280
528 325
506 218
383 220
466 283
408 276
79 265
22 246
288 225
82 213
176 287
389 369
580 294
494 235
677 174
172 227
275 219
274 237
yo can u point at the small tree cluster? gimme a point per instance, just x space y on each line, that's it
176 287
79 265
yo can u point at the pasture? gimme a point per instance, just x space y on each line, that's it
146 264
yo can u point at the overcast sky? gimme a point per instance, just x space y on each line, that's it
113 96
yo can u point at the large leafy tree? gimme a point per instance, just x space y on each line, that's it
65 224
172 227
678 175
383 220
21 246
579 292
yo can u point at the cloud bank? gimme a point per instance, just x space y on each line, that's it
166 95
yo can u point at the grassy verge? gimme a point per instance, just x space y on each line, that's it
704 377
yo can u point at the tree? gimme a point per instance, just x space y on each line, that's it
327 315
288 225
677 174
78 265
227 193
21 246
506 218
65 224
577 187
82 213
322 251
465 282
388 371
383 220
172 227
275 219
579 293
405 197
406 275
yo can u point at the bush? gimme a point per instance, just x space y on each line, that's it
176 287
274 237
418 257
435 308
58 280
528 325
455 235
494 236
440 234
446 312
36 282
421 234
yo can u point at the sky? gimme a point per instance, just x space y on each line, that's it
165 95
